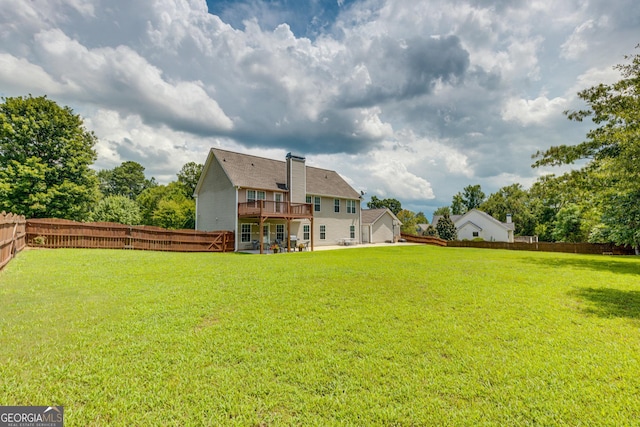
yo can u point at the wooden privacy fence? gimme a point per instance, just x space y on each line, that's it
575 248
427 240
61 233
12 236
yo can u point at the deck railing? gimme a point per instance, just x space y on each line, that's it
271 208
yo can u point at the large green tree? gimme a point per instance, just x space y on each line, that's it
128 180
189 176
394 205
457 205
45 154
473 196
512 199
568 225
421 218
612 150
167 206
442 210
119 209
409 221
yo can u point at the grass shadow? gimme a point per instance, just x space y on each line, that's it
607 302
608 264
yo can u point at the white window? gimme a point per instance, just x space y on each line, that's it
352 231
336 205
351 206
280 232
323 232
475 234
316 204
253 195
245 233
308 199
306 232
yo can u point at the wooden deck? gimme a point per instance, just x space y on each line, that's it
271 209
263 210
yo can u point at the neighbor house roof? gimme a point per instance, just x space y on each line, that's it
248 171
437 218
456 219
370 216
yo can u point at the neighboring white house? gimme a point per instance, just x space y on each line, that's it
267 201
379 226
477 224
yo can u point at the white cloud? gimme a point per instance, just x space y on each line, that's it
422 96
111 75
595 76
21 75
578 42
396 179
533 111
160 149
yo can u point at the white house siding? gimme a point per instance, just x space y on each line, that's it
216 208
487 230
382 230
366 233
337 223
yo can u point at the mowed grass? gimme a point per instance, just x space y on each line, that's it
402 335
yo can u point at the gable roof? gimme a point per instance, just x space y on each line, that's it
507 225
471 223
370 216
248 171
437 218
457 218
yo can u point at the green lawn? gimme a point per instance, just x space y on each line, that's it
409 335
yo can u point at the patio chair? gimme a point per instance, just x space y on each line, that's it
281 245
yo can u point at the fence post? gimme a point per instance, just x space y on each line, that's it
12 250
129 239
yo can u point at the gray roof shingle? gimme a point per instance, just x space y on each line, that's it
369 216
248 171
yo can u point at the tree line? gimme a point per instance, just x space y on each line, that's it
46 156
598 202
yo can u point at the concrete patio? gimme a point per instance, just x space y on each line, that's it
334 247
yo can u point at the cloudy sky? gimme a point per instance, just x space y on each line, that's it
406 99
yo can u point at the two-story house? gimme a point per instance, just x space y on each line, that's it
265 201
